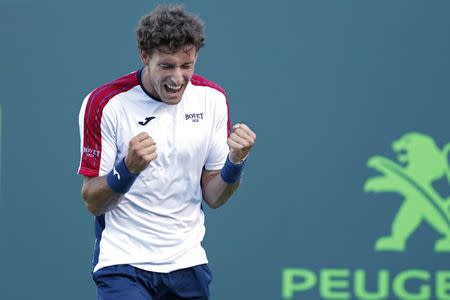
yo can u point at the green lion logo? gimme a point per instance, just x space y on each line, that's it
420 163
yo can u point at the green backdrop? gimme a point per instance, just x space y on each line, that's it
326 85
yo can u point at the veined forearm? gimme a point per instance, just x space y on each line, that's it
215 190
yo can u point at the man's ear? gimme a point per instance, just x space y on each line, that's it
196 55
145 57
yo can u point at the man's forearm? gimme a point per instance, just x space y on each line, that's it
103 193
215 190
98 196
218 186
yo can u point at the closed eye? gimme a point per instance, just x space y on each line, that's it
187 66
166 66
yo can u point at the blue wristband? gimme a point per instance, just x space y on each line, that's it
231 172
120 179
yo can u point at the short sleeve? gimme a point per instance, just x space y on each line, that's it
97 123
219 148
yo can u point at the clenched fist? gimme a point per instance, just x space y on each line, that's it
141 151
240 141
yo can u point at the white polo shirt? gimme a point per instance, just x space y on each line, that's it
159 224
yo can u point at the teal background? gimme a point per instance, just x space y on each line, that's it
324 84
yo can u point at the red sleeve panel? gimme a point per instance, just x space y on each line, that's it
93 111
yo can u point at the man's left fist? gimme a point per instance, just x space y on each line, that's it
240 141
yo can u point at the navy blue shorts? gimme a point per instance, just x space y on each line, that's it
127 282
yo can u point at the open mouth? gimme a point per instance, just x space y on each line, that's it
173 89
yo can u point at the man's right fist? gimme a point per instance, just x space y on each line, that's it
141 151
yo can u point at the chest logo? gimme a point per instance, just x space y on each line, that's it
145 122
194 117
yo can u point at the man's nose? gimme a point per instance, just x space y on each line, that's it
177 75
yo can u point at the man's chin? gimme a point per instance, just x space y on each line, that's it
171 100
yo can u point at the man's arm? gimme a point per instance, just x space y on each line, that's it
98 196
101 194
216 190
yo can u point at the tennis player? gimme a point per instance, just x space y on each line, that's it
155 143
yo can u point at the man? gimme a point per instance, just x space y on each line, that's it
154 143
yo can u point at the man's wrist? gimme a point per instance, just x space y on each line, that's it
237 161
120 179
231 172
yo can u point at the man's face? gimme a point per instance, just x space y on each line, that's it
169 73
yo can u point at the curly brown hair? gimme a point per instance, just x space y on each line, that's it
169 26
